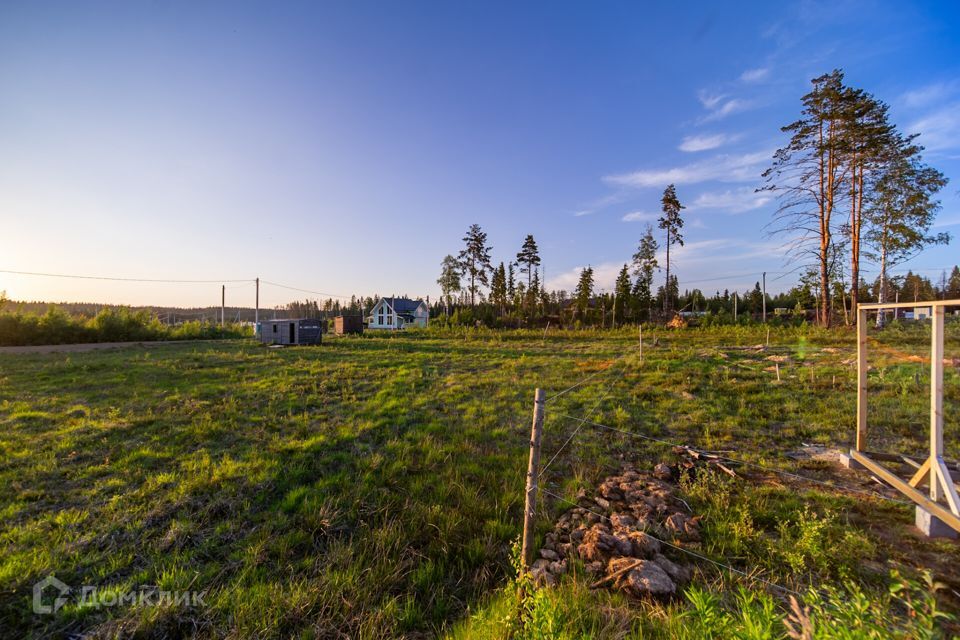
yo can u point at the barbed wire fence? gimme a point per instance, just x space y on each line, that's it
603 379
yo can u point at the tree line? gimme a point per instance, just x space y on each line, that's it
850 187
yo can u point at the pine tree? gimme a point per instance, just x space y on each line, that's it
511 281
474 260
901 210
672 223
529 259
953 284
584 291
622 297
867 137
808 176
533 293
498 289
644 266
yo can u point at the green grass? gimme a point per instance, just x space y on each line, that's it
372 487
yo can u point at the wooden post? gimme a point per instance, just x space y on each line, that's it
765 302
861 380
936 400
640 330
533 471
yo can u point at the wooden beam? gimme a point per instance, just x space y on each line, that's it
947 486
861 380
910 305
951 519
936 397
920 475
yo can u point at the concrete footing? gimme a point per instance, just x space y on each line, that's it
932 526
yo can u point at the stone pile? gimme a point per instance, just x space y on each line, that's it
617 534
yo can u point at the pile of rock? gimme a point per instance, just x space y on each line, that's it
616 533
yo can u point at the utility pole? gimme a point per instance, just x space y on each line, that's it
223 303
256 311
734 306
764 296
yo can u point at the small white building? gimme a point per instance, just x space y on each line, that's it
397 313
918 313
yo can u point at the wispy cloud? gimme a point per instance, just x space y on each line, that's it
738 200
734 105
948 221
755 75
692 144
599 204
724 168
930 94
640 216
939 129
710 100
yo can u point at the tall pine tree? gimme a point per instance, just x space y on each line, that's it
672 223
529 259
474 260
584 291
622 297
644 266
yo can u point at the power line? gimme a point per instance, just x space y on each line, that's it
118 279
319 293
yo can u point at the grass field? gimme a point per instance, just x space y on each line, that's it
372 487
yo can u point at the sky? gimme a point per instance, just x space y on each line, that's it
345 147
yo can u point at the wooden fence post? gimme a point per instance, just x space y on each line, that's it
533 471
640 332
861 444
936 402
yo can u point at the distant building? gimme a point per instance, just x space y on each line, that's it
397 313
291 331
917 313
345 324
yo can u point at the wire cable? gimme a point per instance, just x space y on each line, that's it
117 279
319 293
790 474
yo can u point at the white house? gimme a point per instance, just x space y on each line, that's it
397 313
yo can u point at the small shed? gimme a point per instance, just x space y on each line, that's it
290 331
343 325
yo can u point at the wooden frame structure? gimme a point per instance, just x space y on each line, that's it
933 470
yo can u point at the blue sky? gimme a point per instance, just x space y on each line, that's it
345 147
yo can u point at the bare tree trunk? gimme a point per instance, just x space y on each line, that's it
666 287
856 226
